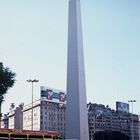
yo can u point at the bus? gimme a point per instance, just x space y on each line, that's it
13 134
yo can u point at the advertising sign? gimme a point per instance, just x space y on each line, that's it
53 95
49 94
62 97
122 107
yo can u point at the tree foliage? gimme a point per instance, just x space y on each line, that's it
110 135
7 80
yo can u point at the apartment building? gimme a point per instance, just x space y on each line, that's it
103 118
48 112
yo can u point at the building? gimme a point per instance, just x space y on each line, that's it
4 121
13 134
27 116
49 115
103 118
15 117
53 117
48 112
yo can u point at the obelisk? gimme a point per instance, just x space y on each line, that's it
76 106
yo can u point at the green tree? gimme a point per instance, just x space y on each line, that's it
7 80
110 135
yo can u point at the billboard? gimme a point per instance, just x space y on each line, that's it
52 95
122 107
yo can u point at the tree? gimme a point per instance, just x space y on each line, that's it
7 80
119 136
103 135
110 135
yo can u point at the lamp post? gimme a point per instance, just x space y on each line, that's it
132 131
32 81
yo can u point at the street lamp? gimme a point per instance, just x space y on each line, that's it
132 131
32 81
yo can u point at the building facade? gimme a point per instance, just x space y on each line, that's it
27 116
53 117
103 118
15 117
48 112
49 115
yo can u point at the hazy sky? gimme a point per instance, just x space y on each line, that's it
33 43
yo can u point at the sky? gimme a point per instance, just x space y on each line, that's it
33 44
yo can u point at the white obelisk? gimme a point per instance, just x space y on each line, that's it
76 106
